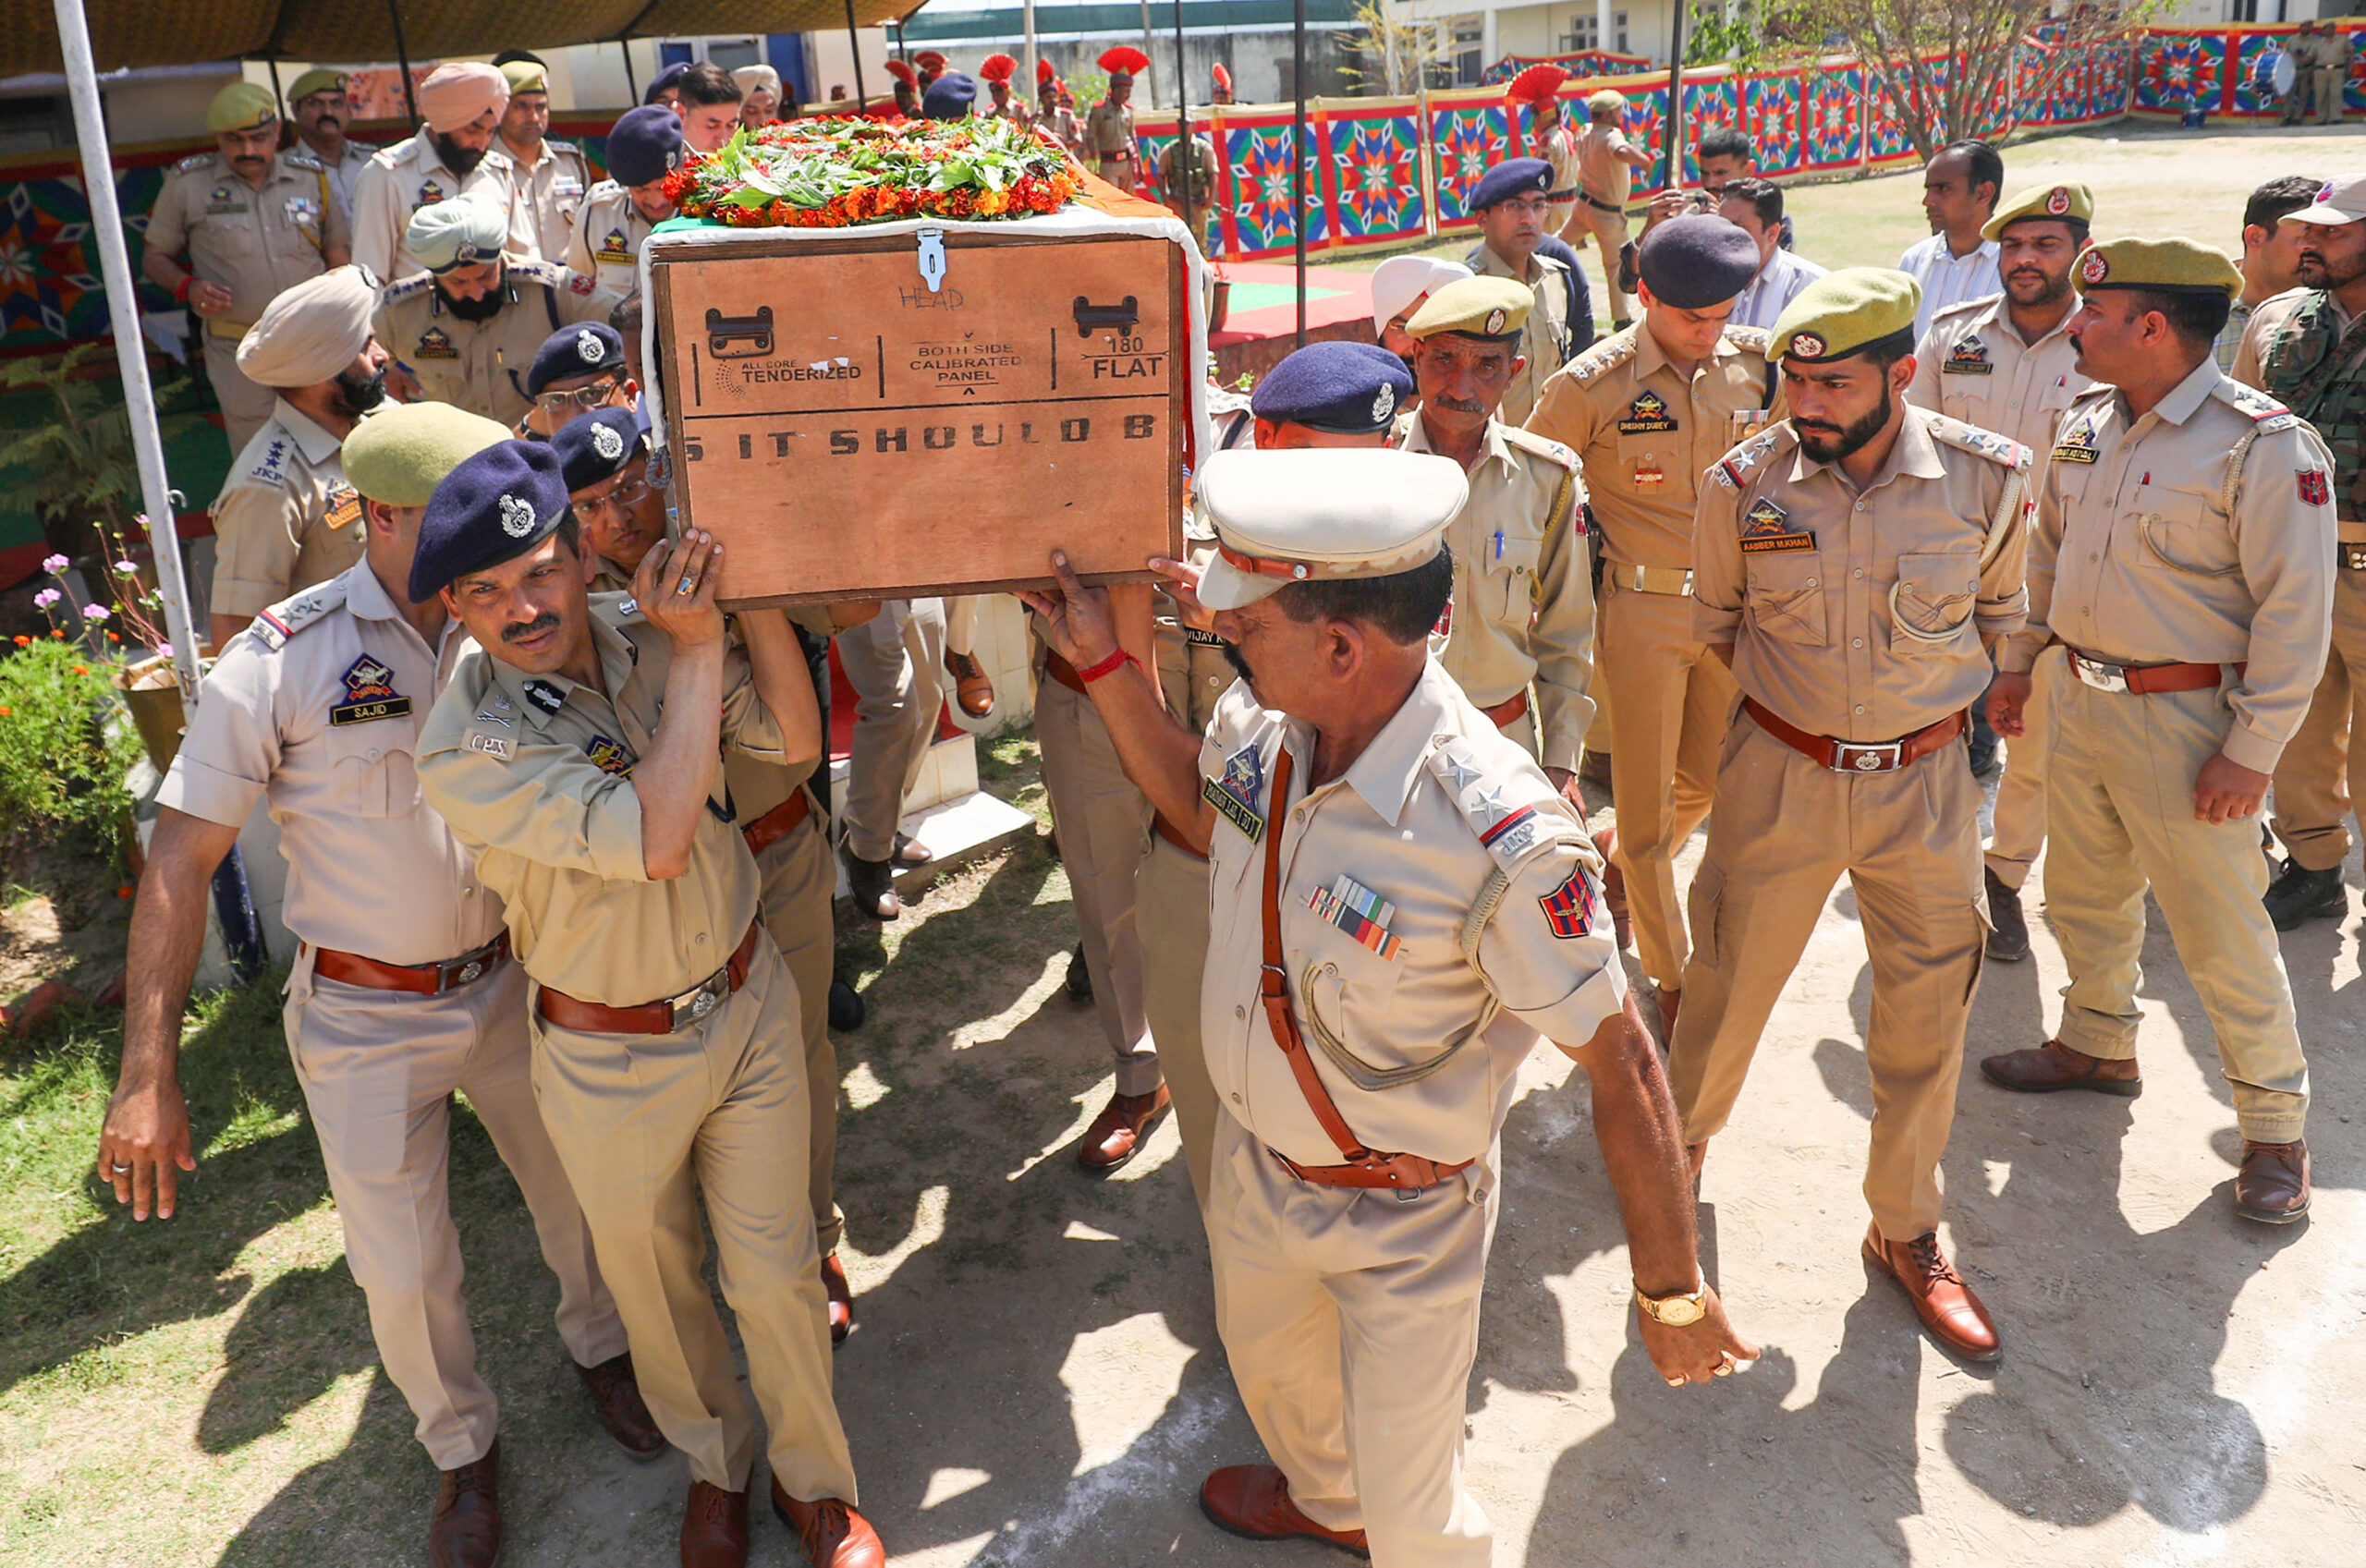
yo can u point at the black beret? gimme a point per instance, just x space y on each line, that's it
949 97
595 446
493 508
1515 176
1697 260
574 351
646 144
1340 388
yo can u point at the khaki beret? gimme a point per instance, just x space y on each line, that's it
2061 202
1321 512
2163 266
1477 306
241 106
526 75
1607 99
1844 311
460 231
311 331
401 453
311 81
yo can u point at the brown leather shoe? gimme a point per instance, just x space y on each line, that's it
2272 1185
714 1528
1253 1501
616 1394
911 851
972 688
1941 1299
1614 886
2054 1066
841 1295
1121 1129
465 1529
832 1533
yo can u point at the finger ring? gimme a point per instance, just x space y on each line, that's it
1676 1382
122 1169
689 584
1725 1371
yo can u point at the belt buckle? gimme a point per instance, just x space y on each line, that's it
1876 756
468 968
693 1005
2101 676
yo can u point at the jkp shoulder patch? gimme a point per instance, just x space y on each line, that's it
1767 530
344 509
1969 358
1234 793
1568 909
1648 415
614 247
2079 444
370 694
435 343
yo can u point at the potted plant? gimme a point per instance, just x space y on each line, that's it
128 641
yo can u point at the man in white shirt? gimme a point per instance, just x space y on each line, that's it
1959 191
1755 206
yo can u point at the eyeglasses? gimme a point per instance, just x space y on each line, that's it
590 397
622 498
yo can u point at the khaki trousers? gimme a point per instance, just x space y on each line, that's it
1785 830
896 664
1103 824
2326 83
246 405
378 1069
1609 232
2017 837
648 1124
960 623
1171 913
1674 702
2119 806
799 880
2327 758
1351 1321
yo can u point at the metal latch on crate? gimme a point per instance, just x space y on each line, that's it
933 259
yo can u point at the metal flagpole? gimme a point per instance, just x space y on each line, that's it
854 42
1297 156
1675 181
1027 20
1149 50
130 350
402 59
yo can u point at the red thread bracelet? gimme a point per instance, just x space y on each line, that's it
180 290
1120 657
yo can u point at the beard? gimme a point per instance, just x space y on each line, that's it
1833 448
479 309
461 161
1239 666
2317 270
2051 291
357 394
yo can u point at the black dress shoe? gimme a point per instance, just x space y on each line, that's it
1079 978
2298 895
872 885
846 1006
2008 929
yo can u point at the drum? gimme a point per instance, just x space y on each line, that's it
2280 72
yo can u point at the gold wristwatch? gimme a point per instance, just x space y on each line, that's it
1678 1311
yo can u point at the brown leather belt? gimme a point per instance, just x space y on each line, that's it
1174 836
663 1017
1408 1174
1603 206
1557 196
1509 709
778 822
2145 680
426 979
1062 672
1857 756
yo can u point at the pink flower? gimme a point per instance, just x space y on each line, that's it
165 649
94 612
46 598
56 564
128 568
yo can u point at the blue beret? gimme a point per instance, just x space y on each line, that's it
493 508
1515 176
574 351
1341 388
646 144
595 446
949 97
670 76
1697 260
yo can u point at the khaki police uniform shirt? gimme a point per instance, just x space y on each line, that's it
550 192
319 706
1523 591
534 774
412 174
1380 871
1602 173
286 520
482 366
254 241
1644 430
2142 555
343 171
1860 615
1543 338
1558 147
606 242
1109 130
1973 366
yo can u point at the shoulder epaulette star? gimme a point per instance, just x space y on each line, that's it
1987 444
194 161
395 292
295 158
1732 471
292 614
1540 447
1610 353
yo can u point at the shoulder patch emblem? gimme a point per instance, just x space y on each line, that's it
1767 530
1568 909
1969 358
429 193
2315 490
614 246
608 757
1648 415
2078 445
344 509
370 694
436 343
1234 792
579 283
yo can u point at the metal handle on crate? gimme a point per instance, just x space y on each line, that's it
933 259
1092 318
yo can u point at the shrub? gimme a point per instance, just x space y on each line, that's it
63 752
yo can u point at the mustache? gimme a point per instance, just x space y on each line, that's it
1460 405
540 622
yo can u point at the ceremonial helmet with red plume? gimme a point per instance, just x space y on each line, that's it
998 68
1538 84
902 73
1223 78
1044 75
932 64
1125 61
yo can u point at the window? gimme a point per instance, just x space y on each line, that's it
1585 32
1618 21
2242 10
729 52
1468 66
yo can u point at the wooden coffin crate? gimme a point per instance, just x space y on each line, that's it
848 432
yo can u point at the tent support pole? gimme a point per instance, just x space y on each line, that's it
402 59
130 349
854 46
